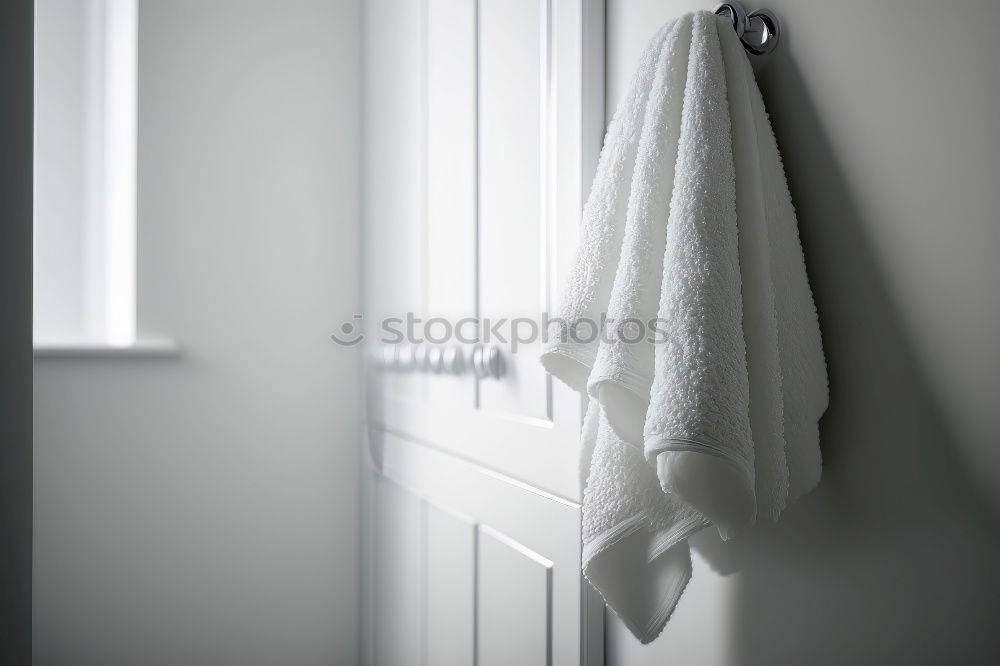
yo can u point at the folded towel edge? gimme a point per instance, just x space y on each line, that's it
566 364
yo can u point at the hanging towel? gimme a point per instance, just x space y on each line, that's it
689 321
574 335
698 426
634 535
622 373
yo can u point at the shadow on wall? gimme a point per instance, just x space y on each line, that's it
893 559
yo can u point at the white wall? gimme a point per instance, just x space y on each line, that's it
886 115
204 509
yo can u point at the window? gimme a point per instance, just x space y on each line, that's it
85 173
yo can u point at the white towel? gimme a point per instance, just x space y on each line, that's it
635 549
698 425
574 336
708 380
622 373
805 390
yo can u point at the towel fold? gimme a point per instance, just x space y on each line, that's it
574 336
689 321
635 549
698 427
623 370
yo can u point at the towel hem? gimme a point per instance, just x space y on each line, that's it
576 375
656 445
625 378
667 539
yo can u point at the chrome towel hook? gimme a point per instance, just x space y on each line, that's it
759 30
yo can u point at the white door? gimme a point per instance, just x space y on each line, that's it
483 126
468 568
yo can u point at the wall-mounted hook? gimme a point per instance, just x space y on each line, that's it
759 30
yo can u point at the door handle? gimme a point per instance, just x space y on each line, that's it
487 362
448 360
453 360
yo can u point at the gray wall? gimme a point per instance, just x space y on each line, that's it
15 332
886 115
204 509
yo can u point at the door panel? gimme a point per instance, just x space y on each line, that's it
397 604
515 586
513 77
450 178
393 195
483 123
468 562
511 119
450 605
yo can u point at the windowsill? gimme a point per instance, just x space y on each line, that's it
144 348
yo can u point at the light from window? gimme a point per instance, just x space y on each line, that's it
85 172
